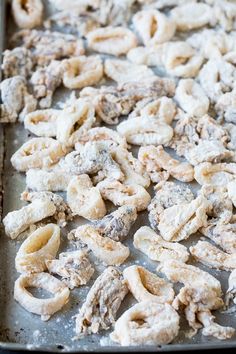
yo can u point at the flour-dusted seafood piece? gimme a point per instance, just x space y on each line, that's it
212 43
27 13
225 13
222 207
167 195
111 40
84 199
146 323
110 103
181 60
74 120
37 153
212 256
145 131
104 248
163 109
230 128
114 12
147 286
200 295
47 45
43 307
209 129
76 4
117 224
150 56
45 80
102 303
160 165
82 71
219 174
192 16
74 268
17 61
191 97
182 220
222 235
123 71
54 179
226 106
231 187
217 77
231 291
186 134
20 220
162 4
42 122
122 194
62 211
97 13
208 151
40 246
92 158
153 27
108 137
156 248
134 171
211 328
15 99
73 21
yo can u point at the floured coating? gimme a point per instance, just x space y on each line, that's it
147 286
180 221
167 195
42 245
18 221
27 14
156 248
161 325
74 268
43 307
84 199
121 194
37 153
117 224
160 165
111 40
104 248
201 294
102 303
212 256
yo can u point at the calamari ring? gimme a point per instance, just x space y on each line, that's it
104 248
37 153
27 13
82 71
121 194
42 245
43 307
111 40
110 138
147 286
42 122
74 121
153 27
147 323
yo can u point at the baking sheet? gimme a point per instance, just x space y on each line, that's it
22 330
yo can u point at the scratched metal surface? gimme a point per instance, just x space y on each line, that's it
22 330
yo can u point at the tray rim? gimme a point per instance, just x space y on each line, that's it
94 348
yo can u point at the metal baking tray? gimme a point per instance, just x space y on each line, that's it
22 330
